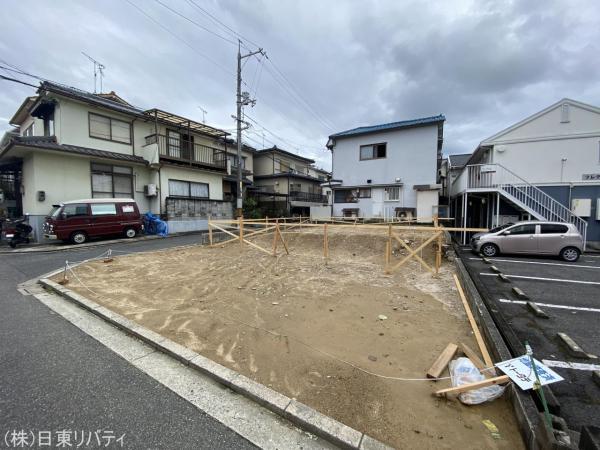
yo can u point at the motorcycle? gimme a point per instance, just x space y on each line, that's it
18 231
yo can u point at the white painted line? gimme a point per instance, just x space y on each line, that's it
570 365
559 280
543 263
549 305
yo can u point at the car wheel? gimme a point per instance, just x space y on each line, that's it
570 254
78 237
489 250
130 233
12 244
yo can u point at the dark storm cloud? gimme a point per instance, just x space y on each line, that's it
484 64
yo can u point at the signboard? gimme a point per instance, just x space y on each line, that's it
488 168
521 372
590 176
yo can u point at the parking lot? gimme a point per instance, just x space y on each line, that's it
569 293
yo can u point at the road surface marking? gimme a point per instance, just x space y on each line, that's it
542 263
549 305
560 280
570 365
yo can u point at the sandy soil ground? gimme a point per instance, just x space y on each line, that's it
304 326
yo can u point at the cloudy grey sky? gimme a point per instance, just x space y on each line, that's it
484 64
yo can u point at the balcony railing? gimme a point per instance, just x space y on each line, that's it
185 151
307 197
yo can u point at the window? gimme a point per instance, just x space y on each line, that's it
295 187
364 193
392 193
522 229
188 189
75 210
103 127
233 161
49 124
372 151
104 209
550 228
111 181
344 196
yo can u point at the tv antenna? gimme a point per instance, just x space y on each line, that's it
98 69
204 112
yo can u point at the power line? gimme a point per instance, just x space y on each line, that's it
196 23
14 80
208 58
290 142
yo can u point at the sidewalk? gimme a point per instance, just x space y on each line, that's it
61 246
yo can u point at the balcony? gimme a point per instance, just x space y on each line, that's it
187 152
309 197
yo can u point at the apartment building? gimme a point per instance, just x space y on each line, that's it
284 181
388 170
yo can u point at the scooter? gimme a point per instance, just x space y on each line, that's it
19 232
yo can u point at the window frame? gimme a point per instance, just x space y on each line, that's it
373 146
386 196
110 120
362 190
511 230
565 228
103 213
189 183
347 198
112 174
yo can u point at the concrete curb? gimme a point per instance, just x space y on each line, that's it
573 348
520 294
495 269
298 413
525 410
537 310
504 278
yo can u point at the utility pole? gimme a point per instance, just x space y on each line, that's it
243 99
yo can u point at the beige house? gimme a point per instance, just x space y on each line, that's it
287 182
70 144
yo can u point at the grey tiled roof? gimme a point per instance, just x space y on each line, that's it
458 161
49 143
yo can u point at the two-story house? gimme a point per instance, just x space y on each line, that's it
284 181
388 170
545 167
70 144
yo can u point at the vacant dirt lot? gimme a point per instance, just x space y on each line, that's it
306 327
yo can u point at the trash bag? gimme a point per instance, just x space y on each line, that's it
463 371
153 225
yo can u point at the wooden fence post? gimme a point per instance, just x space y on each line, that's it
241 225
210 235
325 242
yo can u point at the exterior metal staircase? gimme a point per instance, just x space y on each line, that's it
495 177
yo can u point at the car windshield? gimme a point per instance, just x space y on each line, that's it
54 211
501 227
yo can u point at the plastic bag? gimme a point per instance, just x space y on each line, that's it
462 371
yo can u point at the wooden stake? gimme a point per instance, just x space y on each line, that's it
278 231
325 242
210 236
471 386
387 253
442 361
241 222
480 342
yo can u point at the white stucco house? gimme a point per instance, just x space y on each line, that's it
388 170
546 167
70 144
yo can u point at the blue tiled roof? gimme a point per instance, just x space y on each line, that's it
391 126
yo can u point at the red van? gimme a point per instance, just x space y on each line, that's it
79 220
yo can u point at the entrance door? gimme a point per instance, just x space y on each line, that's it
377 202
187 146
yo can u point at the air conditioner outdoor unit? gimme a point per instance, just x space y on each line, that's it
150 190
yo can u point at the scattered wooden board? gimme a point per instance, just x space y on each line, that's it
469 387
442 361
476 360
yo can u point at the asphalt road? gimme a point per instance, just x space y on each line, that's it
54 377
575 287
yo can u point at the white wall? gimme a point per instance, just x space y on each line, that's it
375 206
411 156
427 201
